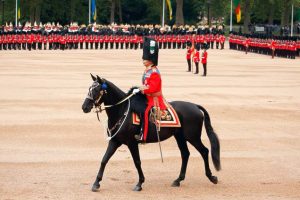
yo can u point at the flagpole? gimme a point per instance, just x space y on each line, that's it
292 21
163 15
89 11
231 17
16 13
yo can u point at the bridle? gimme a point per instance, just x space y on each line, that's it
99 109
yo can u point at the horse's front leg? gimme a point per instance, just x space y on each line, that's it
111 149
134 150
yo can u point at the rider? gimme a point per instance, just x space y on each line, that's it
152 83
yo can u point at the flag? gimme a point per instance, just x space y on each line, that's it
18 9
238 11
170 8
93 10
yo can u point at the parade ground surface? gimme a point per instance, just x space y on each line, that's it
50 149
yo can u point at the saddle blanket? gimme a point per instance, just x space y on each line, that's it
169 118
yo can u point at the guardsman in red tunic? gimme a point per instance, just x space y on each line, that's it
222 41
136 41
121 41
174 41
40 41
29 41
97 37
117 40
141 39
86 40
106 40
152 84
217 39
178 40
204 61
4 41
50 40
272 46
188 55
111 41
45 39
196 57
1 40
81 39
246 43
126 40
169 40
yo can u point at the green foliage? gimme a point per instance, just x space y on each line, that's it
144 11
192 9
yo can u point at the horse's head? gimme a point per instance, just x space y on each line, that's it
95 93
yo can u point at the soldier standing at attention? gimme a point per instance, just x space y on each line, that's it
188 55
204 61
196 58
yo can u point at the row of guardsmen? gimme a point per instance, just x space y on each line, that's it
280 46
51 36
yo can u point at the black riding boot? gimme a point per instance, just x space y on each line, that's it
139 136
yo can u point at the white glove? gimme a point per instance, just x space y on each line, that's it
136 90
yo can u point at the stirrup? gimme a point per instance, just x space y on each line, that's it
139 137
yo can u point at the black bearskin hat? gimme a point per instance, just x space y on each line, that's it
189 44
150 50
198 47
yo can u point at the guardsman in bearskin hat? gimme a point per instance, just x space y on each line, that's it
204 60
196 58
152 84
189 52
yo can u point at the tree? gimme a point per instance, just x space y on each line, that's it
112 11
179 13
247 10
120 11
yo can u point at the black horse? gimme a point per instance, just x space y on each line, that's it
119 108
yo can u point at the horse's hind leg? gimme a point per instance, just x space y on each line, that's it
185 154
204 153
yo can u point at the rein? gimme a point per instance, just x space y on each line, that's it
120 122
99 109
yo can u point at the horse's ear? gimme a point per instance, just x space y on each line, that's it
99 79
93 77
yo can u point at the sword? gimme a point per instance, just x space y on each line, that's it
157 127
158 139
192 65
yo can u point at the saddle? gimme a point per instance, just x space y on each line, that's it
166 118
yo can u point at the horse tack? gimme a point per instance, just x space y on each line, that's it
166 118
190 131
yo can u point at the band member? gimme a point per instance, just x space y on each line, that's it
152 85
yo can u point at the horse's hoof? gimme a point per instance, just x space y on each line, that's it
176 184
137 188
95 188
213 179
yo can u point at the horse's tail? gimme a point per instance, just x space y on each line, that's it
213 138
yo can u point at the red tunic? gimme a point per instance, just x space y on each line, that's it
204 57
152 81
196 57
189 53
